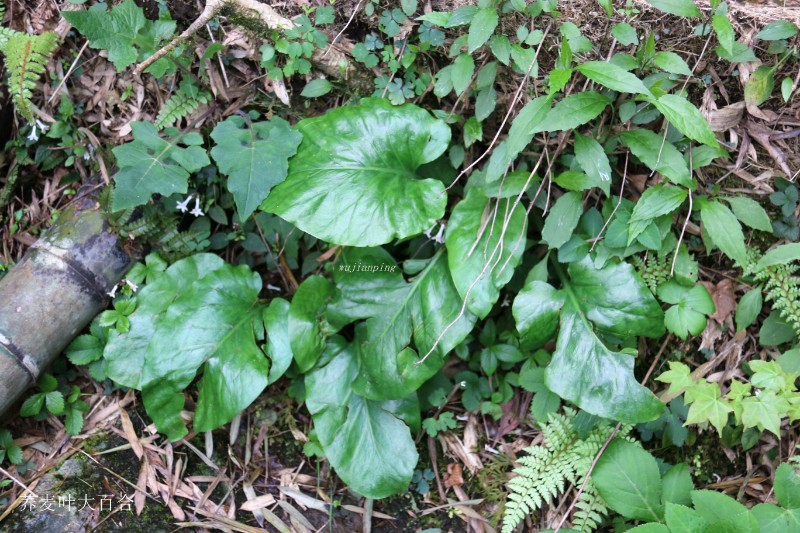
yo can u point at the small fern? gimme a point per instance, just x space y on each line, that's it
782 288
26 57
653 270
185 101
547 470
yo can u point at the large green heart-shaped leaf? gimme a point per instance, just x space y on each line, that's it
367 442
371 286
485 240
354 179
612 301
627 478
200 312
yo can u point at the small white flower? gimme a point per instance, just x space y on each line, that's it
113 292
197 211
272 287
132 285
33 135
42 125
439 237
184 205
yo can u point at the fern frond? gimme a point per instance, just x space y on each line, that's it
26 58
782 288
180 105
562 460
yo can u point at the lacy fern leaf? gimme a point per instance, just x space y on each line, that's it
184 102
562 460
26 57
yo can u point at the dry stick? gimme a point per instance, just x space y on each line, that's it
514 101
349 21
608 441
69 71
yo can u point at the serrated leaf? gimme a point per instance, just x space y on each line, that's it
73 423
672 63
55 402
750 213
708 406
628 480
724 30
150 165
682 519
691 306
787 487
686 118
682 8
764 412
779 29
32 405
723 513
367 442
316 87
724 230
199 314
114 30
481 28
461 74
84 350
677 486
485 241
562 220
748 309
611 76
655 201
573 111
594 161
523 127
254 157
354 179
667 160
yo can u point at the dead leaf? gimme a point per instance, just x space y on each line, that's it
724 300
454 476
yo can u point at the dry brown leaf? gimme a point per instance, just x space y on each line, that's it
453 476
130 433
259 502
724 300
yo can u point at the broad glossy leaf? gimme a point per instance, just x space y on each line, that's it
200 313
367 442
463 69
354 179
279 349
616 300
536 310
611 76
573 111
773 519
647 146
254 157
686 118
628 480
598 380
485 240
748 308
724 230
397 312
677 486
306 312
149 164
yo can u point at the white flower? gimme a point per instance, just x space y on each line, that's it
33 136
132 285
196 211
113 292
183 206
272 287
439 237
42 125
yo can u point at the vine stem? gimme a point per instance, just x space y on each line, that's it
607 442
